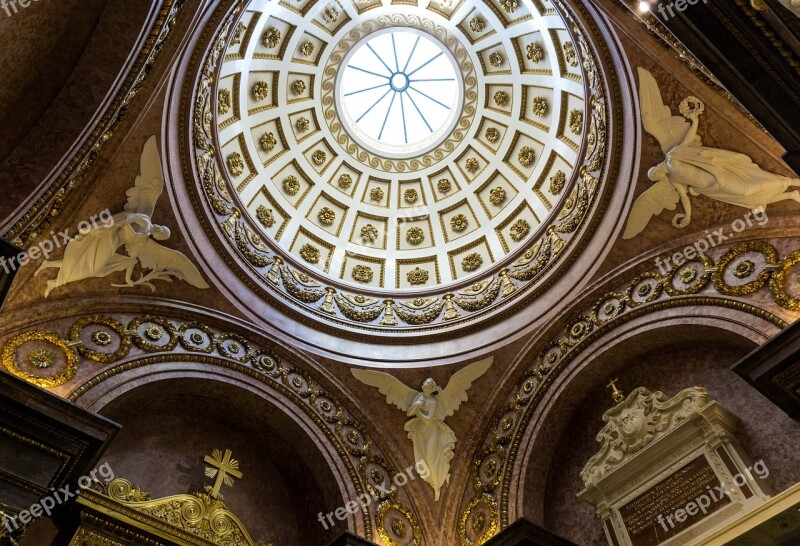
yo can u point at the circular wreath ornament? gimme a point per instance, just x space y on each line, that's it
691 107
300 263
41 358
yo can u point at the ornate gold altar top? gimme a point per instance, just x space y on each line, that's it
123 510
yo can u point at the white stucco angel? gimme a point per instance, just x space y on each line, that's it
433 440
690 168
93 253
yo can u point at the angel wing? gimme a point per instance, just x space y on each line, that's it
456 390
149 184
165 261
657 118
395 391
661 195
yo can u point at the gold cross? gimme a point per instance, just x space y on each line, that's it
223 468
616 394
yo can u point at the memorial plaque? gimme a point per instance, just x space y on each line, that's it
674 504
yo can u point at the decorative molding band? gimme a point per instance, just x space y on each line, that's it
50 204
734 273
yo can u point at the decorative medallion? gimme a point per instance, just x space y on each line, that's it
539 106
444 185
101 338
302 125
472 262
415 235
291 185
492 134
495 59
557 182
298 87
345 181
319 157
477 25
307 49
570 54
362 273
310 253
501 98
410 195
326 215
526 156
497 195
154 332
471 164
224 101
458 222
271 37
369 233
417 276
744 269
519 230
235 164
376 194
260 90
268 142
510 6
576 121
265 216
535 52
330 14
41 358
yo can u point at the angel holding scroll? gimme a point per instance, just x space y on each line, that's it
690 168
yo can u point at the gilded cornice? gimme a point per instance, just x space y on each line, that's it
76 171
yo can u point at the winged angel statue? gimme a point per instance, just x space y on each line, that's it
93 253
433 440
690 168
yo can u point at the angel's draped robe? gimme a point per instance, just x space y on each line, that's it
737 180
433 440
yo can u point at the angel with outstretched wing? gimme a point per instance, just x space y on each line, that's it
94 253
433 440
689 168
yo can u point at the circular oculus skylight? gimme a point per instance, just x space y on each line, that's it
399 92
